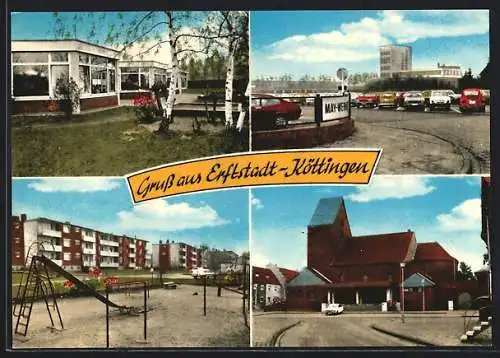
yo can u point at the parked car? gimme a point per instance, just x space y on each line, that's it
472 100
269 112
201 272
486 95
454 97
334 309
400 99
439 99
354 98
414 100
387 100
367 100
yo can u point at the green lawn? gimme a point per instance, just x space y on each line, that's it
105 143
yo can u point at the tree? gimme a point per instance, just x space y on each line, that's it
465 272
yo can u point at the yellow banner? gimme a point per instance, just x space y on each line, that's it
255 169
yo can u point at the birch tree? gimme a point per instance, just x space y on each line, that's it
145 34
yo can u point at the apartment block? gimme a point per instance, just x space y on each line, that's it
395 58
73 247
172 255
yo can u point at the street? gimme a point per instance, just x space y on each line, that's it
356 329
418 142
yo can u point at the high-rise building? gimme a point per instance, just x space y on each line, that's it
172 255
394 58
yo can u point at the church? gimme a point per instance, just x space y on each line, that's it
368 270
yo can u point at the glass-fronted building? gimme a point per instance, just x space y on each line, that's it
38 64
139 76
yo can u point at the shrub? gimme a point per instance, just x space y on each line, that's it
146 109
67 93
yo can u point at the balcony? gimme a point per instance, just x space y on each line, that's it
57 262
88 251
109 253
109 264
109 243
49 232
89 263
47 247
131 255
88 238
131 265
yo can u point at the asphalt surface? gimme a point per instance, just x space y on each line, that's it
418 142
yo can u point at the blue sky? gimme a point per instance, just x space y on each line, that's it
442 209
319 42
218 219
42 25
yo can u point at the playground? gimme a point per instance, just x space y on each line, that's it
174 319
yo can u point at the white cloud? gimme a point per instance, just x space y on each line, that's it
473 259
360 41
465 216
256 203
159 215
392 187
80 185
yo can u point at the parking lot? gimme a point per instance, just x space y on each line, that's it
356 330
420 142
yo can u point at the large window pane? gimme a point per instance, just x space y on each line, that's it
97 60
84 72
84 58
29 80
159 78
59 56
99 80
24 57
144 81
130 82
130 69
57 72
112 80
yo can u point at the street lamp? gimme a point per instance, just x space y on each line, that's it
423 294
402 292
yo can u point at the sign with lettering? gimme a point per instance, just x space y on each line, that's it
335 107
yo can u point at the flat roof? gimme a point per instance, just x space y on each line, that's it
30 45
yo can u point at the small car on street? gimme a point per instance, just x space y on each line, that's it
387 100
472 100
439 99
334 309
414 100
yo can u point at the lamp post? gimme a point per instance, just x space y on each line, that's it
402 292
423 294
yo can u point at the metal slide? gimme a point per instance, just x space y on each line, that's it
80 284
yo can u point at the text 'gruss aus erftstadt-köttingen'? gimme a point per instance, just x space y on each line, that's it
255 169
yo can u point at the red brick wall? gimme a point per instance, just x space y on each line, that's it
414 300
140 253
376 272
303 137
199 259
124 251
17 242
323 242
189 257
164 256
298 299
132 95
74 248
37 106
98 102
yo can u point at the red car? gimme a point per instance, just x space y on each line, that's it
269 111
472 99
368 100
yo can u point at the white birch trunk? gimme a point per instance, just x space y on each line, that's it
228 109
241 117
174 70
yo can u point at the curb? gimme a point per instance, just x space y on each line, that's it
402 336
274 339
